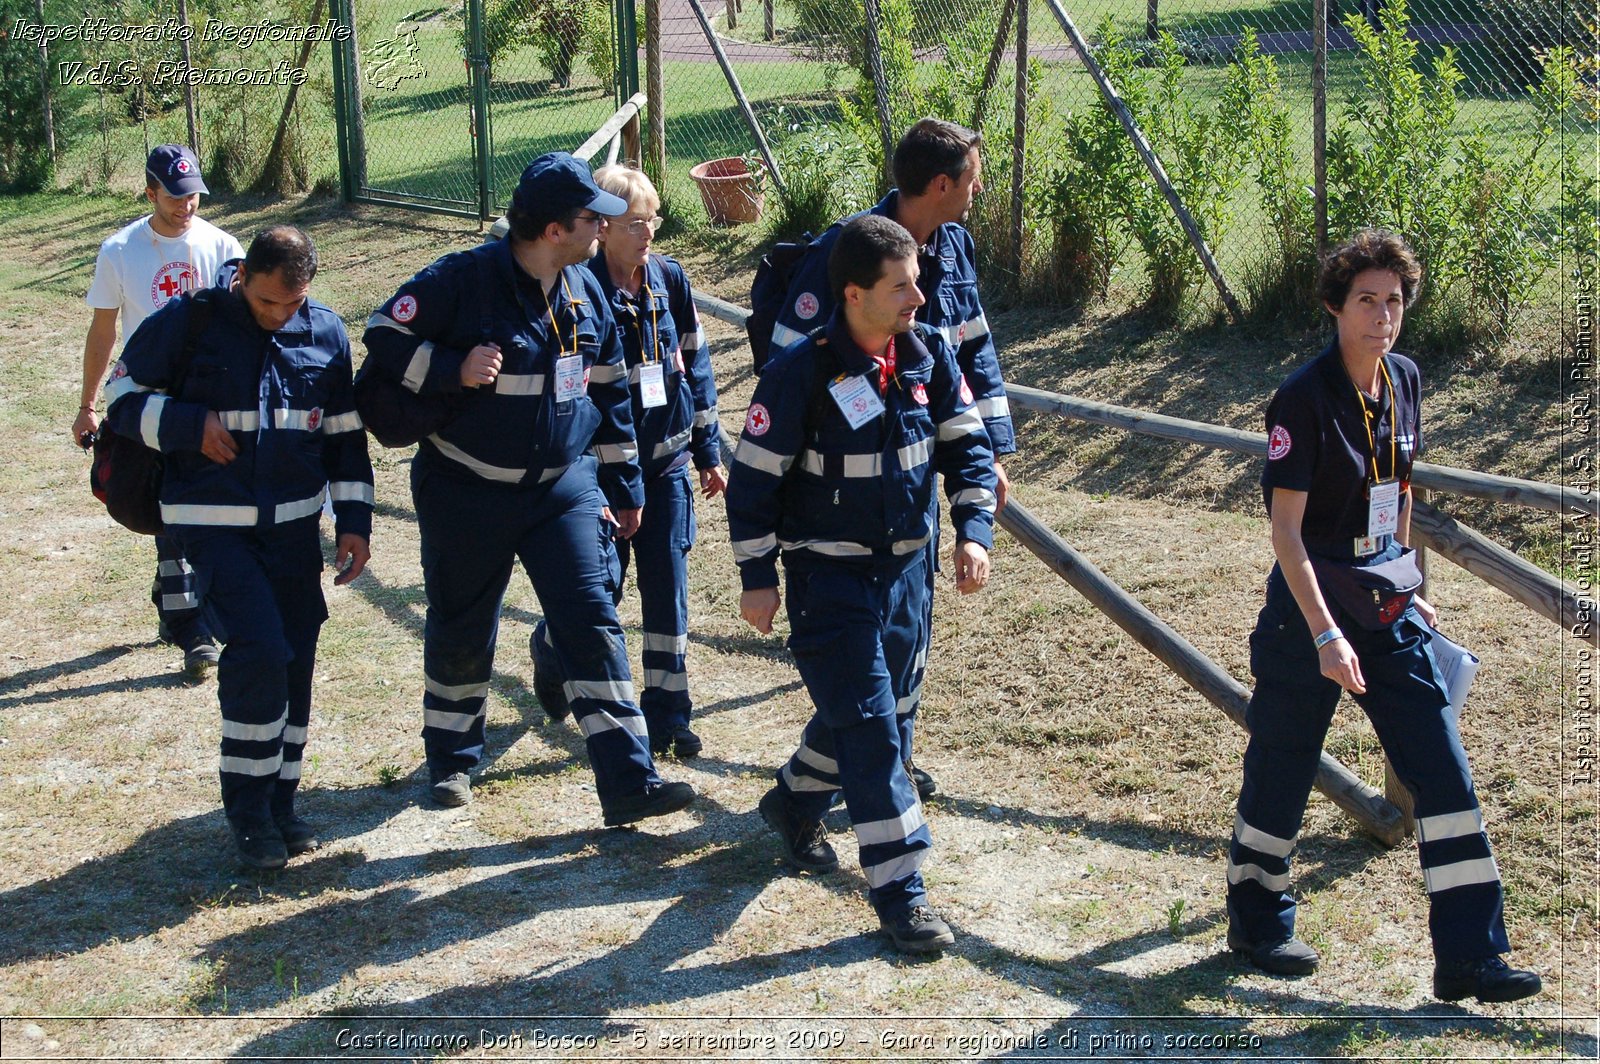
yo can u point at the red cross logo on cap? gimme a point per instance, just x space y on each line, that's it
182 166
758 421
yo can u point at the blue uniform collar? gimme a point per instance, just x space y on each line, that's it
654 277
911 352
294 331
522 283
939 243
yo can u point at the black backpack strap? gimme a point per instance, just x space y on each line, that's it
202 304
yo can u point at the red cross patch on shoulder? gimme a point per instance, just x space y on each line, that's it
806 306
757 421
404 309
1278 443
919 392
966 392
314 419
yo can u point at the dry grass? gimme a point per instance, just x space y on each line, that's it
1086 793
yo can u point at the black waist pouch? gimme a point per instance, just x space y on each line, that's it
1373 595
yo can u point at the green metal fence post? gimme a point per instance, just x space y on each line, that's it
478 76
342 68
625 26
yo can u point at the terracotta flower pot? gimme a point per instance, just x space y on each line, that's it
730 192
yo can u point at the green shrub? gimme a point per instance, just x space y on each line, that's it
1520 32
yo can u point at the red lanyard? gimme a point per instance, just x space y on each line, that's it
885 367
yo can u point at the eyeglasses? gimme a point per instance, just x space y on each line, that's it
595 218
637 226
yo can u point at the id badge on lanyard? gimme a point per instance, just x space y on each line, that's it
1383 508
856 400
652 385
569 378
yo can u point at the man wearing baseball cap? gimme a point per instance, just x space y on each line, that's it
538 465
140 269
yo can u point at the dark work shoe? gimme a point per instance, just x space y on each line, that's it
1490 979
298 835
1285 956
260 845
655 800
200 650
686 743
551 694
805 842
917 931
925 784
452 790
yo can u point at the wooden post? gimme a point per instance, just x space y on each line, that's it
1342 787
630 140
1319 119
1151 161
1152 19
1019 141
44 83
769 29
738 94
188 86
655 157
991 68
880 88
732 14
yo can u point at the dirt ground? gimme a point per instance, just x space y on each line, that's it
1085 798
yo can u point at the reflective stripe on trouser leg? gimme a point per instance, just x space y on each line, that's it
1408 707
661 547
268 597
176 590
301 632
1288 718
853 635
911 702
570 566
467 541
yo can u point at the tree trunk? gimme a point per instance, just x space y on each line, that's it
272 172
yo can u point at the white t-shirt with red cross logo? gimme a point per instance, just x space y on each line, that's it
139 270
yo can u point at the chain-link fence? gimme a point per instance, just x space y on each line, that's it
1468 125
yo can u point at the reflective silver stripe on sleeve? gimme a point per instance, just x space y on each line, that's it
483 469
993 407
295 733
616 452
1461 874
756 457
1449 825
455 692
150 421
856 466
783 336
916 454
673 444
705 418
117 387
293 511
963 424
959 333
447 721
879 875
380 320
252 766
606 372
911 546
193 514
601 690
1259 840
519 384
748 550
290 769
417 368
337 423
895 829
1239 873
240 420
553 473
690 341
255 733
982 498
352 491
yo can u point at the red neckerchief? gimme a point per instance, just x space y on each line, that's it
885 367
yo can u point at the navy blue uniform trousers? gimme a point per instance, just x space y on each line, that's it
471 533
175 591
1288 718
661 547
263 586
855 632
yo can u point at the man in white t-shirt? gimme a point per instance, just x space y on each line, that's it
140 268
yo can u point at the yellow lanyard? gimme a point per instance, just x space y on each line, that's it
1366 422
655 327
551 310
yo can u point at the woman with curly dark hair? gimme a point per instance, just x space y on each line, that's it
1342 613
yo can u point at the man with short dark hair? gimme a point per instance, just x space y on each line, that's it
257 424
835 470
938 170
537 467
141 268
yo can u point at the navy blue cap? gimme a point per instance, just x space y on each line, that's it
556 183
174 168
